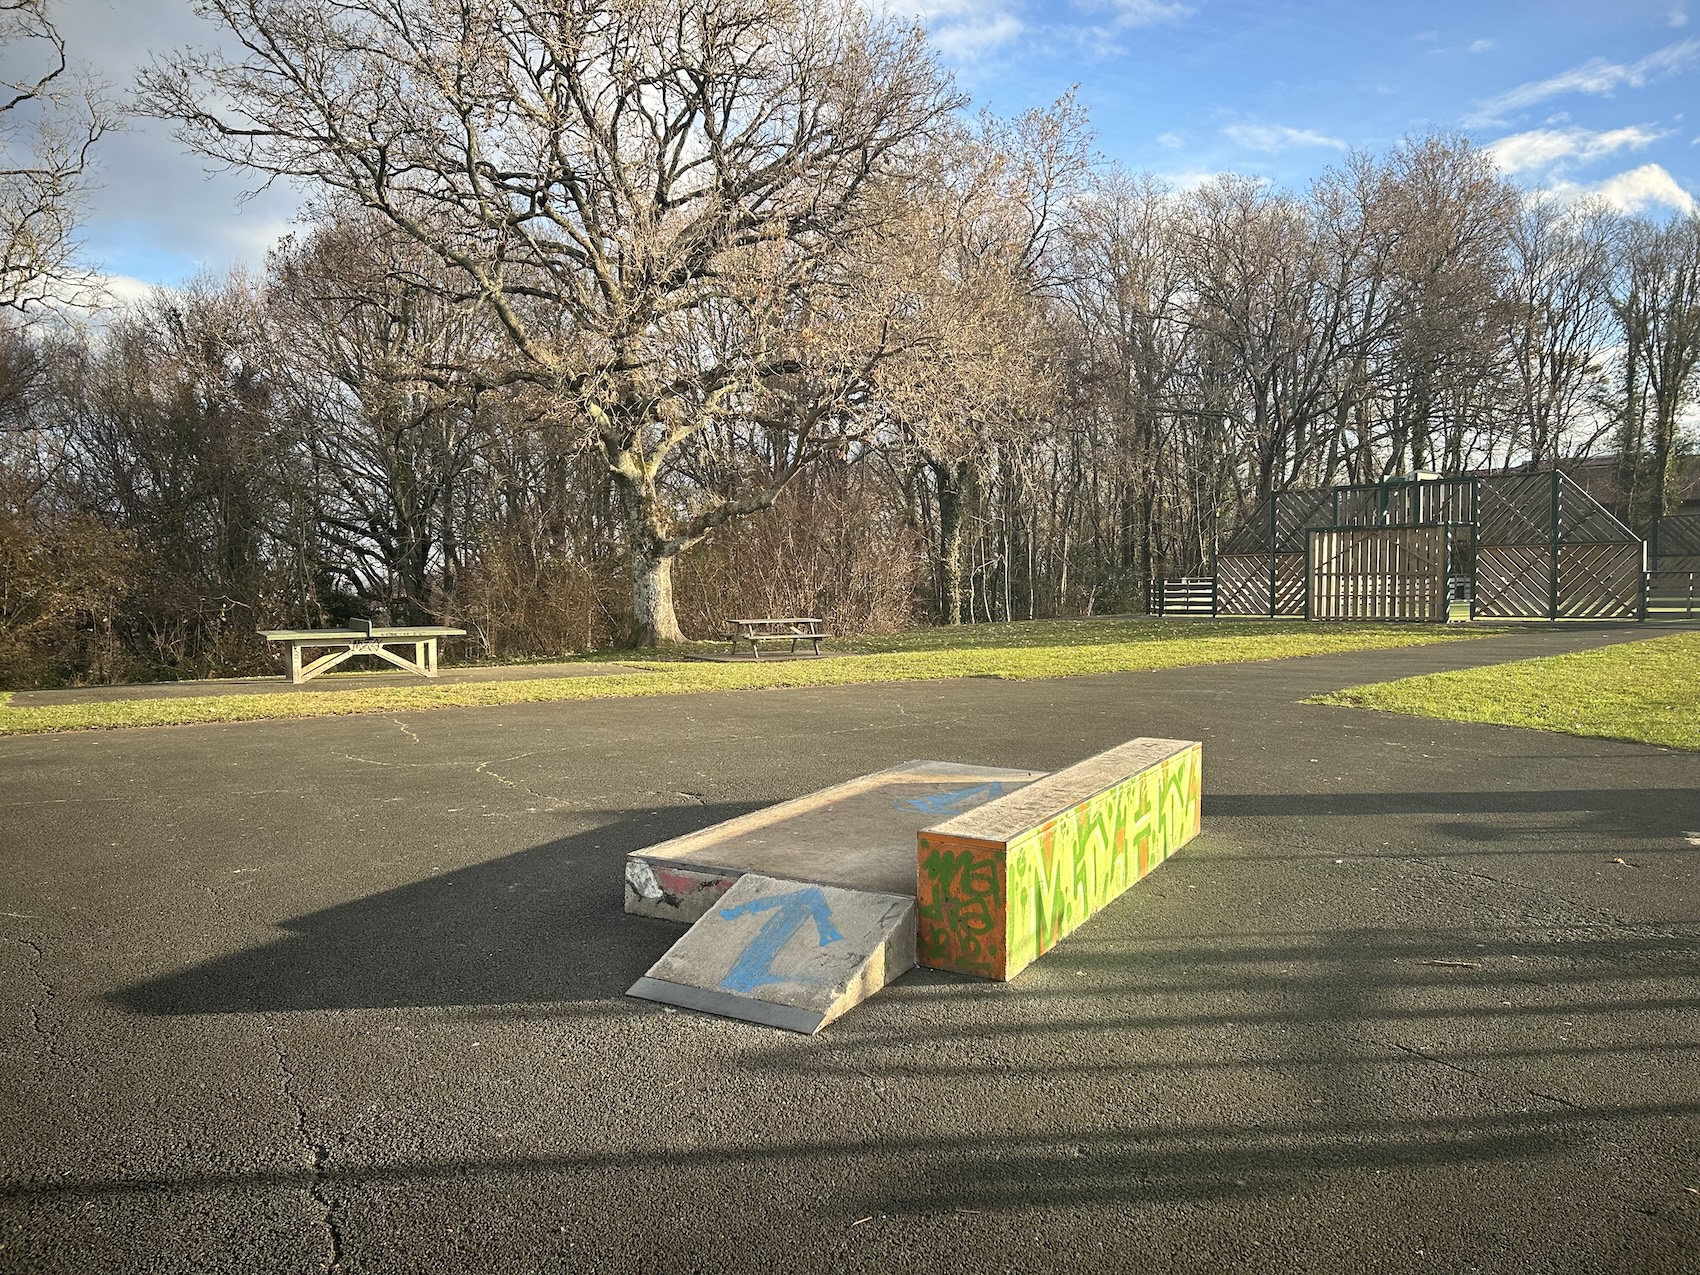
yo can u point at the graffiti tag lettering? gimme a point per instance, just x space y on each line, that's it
953 802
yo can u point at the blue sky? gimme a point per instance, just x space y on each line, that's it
1570 95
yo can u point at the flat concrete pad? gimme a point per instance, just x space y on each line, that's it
787 955
858 835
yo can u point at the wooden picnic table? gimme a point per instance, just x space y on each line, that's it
792 628
362 637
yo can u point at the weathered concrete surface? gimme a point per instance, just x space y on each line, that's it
278 995
859 834
786 954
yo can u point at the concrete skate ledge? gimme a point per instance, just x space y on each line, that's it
1001 885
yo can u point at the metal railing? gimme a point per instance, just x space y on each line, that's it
1673 594
1183 595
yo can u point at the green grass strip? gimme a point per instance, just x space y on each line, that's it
1134 647
1648 692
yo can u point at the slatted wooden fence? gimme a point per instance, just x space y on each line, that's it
1378 573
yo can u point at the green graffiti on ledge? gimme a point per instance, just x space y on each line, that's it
961 902
1062 872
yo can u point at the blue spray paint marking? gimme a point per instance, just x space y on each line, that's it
958 799
753 968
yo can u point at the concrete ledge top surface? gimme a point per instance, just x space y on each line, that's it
1036 803
859 834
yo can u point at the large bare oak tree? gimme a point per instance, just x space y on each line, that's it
666 204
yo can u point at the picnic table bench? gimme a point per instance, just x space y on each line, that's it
362 637
791 628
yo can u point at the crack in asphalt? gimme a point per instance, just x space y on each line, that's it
371 761
553 802
49 996
317 1191
1605 920
483 768
61 801
1487 1078
1436 1059
403 727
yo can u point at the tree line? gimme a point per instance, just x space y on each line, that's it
606 322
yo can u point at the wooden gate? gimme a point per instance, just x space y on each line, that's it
1377 573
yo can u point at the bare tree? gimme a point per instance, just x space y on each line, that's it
1449 216
972 258
50 119
1558 323
356 319
1656 298
659 201
1124 297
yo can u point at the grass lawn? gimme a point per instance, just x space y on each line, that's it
1038 649
1648 692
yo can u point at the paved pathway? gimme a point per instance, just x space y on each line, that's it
346 993
325 682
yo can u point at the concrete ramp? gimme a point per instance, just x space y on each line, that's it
786 953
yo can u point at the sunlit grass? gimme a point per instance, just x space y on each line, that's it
1648 692
1046 649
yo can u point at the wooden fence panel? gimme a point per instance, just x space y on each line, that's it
1599 581
1513 582
1242 583
1382 573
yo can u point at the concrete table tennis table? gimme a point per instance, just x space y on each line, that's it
361 638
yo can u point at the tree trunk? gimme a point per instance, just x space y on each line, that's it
651 555
950 480
653 619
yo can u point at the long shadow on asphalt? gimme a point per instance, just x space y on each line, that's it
541 926
1195 1161
545 926
1630 806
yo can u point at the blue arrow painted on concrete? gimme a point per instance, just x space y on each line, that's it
754 966
956 799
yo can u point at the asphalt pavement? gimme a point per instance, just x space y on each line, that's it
347 994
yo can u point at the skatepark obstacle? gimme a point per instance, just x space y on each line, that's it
998 886
787 955
964 868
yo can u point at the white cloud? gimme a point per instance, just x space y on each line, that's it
963 30
120 289
1678 17
155 213
976 37
1632 191
1171 140
1596 76
1104 39
1189 179
1543 148
1144 13
1482 46
1271 138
